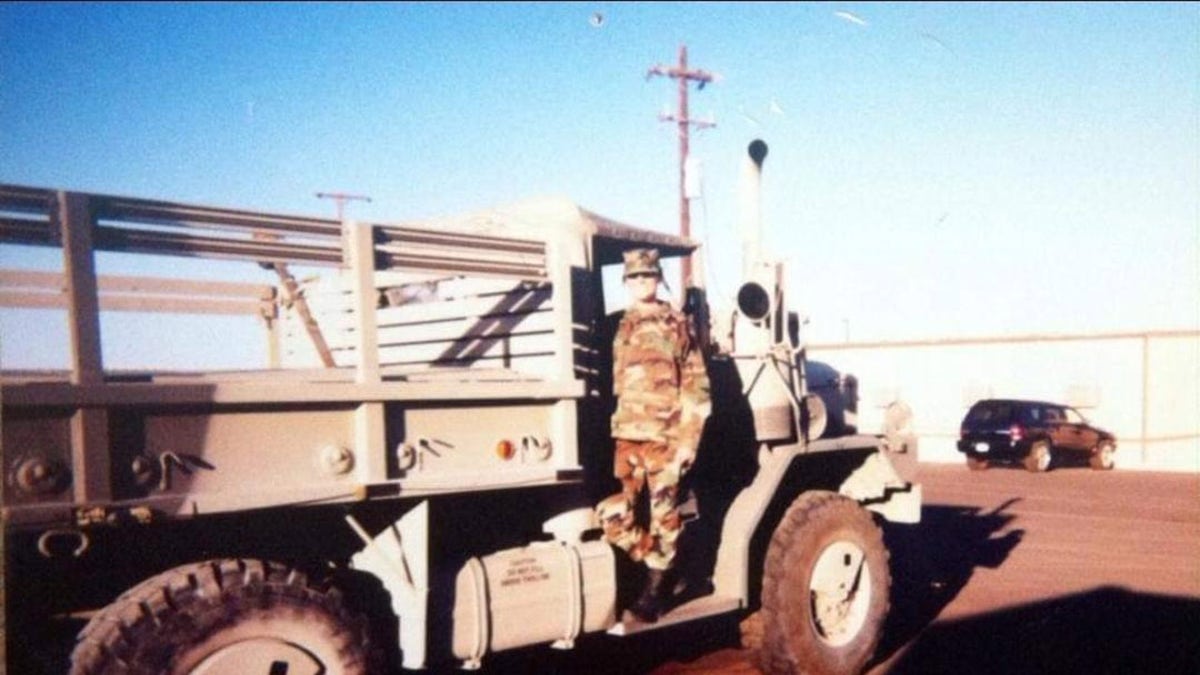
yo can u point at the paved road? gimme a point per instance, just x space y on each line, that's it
1072 571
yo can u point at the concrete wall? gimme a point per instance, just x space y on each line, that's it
1144 387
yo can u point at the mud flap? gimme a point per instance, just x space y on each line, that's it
399 558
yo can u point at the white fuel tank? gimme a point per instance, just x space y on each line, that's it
544 592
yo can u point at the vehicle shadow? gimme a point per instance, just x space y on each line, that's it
1107 630
1059 460
41 649
933 561
1071 460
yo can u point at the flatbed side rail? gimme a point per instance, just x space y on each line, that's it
34 217
95 438
48 290
276 392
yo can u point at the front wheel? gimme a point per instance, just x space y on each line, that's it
825 589
976 462
1103 456
224 616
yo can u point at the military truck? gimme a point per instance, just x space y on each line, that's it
410 482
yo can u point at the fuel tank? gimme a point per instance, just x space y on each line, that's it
544 592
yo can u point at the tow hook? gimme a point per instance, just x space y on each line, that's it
81 539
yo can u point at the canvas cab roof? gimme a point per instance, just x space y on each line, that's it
555 218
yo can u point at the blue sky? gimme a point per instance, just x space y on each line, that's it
935 169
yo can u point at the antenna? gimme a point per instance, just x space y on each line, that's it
681 73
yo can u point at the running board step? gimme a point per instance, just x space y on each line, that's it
708 605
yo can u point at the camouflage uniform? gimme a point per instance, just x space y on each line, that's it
663 399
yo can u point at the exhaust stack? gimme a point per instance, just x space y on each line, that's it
757 326
750 211
766 349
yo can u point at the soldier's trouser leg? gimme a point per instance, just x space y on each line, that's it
662 477
638 464
618 513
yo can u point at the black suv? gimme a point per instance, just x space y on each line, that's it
1031 431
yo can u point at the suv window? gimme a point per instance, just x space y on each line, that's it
1074 417
1031 414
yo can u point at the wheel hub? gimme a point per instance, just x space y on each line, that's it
840 592
1043 460
260 656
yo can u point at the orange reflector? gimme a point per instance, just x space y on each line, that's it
505 450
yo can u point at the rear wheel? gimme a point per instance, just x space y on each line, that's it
976 463
825 589
1038 459
1103 456
224 616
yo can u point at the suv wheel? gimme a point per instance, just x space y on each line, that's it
1103 456
1038 459
976 463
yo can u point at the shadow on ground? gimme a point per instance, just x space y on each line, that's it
1109 630
934 560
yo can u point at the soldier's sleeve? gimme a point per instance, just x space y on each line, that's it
695 398
618 355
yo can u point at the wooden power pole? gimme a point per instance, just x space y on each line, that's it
680 72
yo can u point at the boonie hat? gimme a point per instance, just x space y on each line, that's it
642 260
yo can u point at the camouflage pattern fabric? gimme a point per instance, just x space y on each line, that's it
659 379
663 399
641 464
641 260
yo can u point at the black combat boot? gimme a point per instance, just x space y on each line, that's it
649 605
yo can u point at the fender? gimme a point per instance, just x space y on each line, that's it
872 482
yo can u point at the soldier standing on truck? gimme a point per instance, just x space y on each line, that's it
663 399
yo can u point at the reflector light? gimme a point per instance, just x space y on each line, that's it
1016 432
506 450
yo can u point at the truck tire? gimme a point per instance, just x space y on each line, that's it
825 588
1038 459
1102 458
224 616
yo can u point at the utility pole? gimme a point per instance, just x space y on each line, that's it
341 198
681 73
